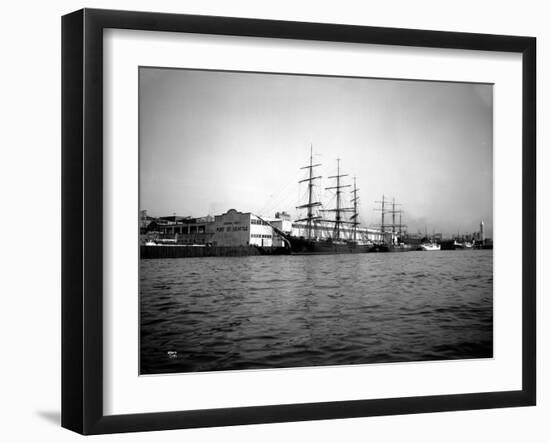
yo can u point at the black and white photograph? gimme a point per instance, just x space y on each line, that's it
294 220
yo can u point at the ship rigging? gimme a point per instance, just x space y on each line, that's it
332 230
337 237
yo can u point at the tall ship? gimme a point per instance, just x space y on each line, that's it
328 231
392 233
336 230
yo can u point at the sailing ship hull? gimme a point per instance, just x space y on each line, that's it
299 245
379 248
305 246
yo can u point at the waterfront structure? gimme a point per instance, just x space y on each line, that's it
186 230
235 228
323 230
334 232
232 228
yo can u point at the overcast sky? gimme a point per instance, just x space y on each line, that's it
211 141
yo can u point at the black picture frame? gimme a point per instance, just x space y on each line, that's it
82 219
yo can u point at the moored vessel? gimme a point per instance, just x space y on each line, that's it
463 245
324 235
392 233
430 246
323 230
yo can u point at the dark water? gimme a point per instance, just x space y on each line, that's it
221 313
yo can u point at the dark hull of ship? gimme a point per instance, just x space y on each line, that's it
305 246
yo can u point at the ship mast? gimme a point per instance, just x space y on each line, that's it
396 229
310 203
355 216
338 222
402 227
393 216
383 213
393 212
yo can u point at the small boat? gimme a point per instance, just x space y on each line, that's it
431 246
465 245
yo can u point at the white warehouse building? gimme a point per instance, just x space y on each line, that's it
236 228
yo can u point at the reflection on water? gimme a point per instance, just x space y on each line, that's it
221 313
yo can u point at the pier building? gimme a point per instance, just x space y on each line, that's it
183 229
235 228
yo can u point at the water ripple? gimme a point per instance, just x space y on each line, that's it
229 313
